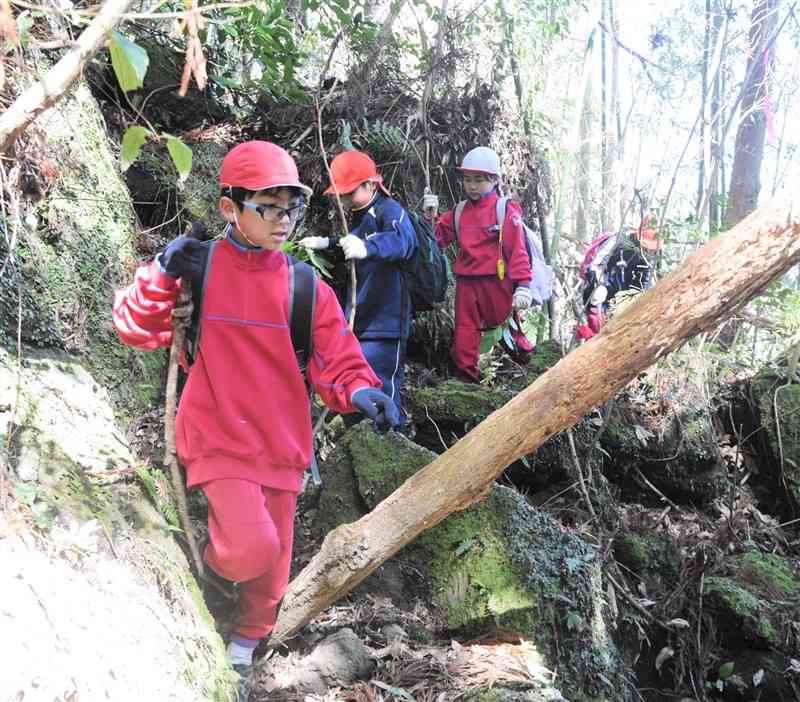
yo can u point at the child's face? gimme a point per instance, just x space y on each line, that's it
477 184
359 198
264 220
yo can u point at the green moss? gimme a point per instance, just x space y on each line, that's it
743 606
383 463
71 252
648 554
454 401
474 580
157 488
773 572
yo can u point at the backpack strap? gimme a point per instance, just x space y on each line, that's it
302 301
500 209
193 332
457 219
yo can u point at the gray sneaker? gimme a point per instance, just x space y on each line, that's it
245 681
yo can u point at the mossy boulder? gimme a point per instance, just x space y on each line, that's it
497 563
70 467
742 614
672 444
757 596
463 405
75 247
654 557
448 410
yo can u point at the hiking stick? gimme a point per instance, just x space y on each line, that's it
351 264
179 324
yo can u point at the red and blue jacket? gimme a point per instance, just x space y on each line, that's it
244 411
478 249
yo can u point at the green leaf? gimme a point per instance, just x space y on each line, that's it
129 60
181 157
726 670
132 142
490 338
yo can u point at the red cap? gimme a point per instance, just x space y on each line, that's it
349 170
259 165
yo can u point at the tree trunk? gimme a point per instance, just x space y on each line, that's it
704 151
749 150
716 147
583 165
58 80
720 277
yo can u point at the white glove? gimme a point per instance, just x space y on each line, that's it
430 201
353 247
599 295
314 242
522 299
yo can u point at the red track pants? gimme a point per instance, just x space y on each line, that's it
482 302
251 529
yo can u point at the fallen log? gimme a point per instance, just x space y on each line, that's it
719 278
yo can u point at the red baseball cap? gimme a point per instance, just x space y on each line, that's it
349 170
259 165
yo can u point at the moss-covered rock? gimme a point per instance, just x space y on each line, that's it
75 246
457 403
769 572
652 556
383 463
742 615
672 444
498 563
68 465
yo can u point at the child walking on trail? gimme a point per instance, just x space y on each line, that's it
381 241
492 268
243 428
612 265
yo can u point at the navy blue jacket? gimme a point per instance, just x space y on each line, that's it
383 305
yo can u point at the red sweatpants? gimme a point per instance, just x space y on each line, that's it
251 529
482 302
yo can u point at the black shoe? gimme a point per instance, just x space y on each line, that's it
245 681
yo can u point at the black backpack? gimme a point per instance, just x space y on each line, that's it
427 274
302 299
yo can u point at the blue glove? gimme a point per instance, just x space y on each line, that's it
183 256
379 407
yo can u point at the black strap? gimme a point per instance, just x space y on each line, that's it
302 300
198 292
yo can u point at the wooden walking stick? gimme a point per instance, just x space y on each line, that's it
179 324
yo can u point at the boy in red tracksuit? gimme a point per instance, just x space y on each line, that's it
486 291
243 429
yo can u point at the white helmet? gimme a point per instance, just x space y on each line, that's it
481 159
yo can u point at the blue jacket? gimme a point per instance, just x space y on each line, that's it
383 305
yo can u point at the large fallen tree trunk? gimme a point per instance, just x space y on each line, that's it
721 276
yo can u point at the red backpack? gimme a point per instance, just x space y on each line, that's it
591 253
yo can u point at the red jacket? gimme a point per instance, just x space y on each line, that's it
477 244
244 412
